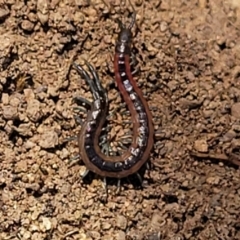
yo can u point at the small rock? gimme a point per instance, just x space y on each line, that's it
121 235
106 226
65 189
29 144
208 113
5 98
49 140
3 13
29 94
10 112
83 236
163 26
26 235
229 136
33 186
33 110
185 184
43 11
21 166
27 25
108 237
201 146
64 154
121 222
24 129
36 213
213 180
46 224
32 17
42 6
95 234
9 127
235 110
156 236
236 128
53 91
14 102
43 18
156 221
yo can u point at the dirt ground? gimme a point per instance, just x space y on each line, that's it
189 70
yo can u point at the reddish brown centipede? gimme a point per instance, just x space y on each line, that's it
138 153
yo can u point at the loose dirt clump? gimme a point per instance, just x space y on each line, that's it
188 56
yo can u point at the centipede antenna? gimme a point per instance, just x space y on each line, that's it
121 25
133 16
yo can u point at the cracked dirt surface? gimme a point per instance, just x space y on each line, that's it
189 59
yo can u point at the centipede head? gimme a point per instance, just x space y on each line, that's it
125 35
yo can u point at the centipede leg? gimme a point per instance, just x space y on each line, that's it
72 138
85 173
133 61
139 178
135 71
104 182
148 165
118 186
105 148
74 160
78 120
82 101
97 82
133 65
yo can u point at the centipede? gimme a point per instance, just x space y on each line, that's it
138 153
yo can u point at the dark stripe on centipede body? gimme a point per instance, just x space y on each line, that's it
88 141
121 67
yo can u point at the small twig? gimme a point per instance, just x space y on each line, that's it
232 158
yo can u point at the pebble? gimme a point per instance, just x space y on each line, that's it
3 13
95 234
121 235
46 224
29 144
106 226
27 25
5 98
21 166
229 136
9 112
43 11
157 221
215 180
235 110
33 110
121 222
201 146
163 26
24 129
49 140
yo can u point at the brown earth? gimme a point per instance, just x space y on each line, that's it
189 58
